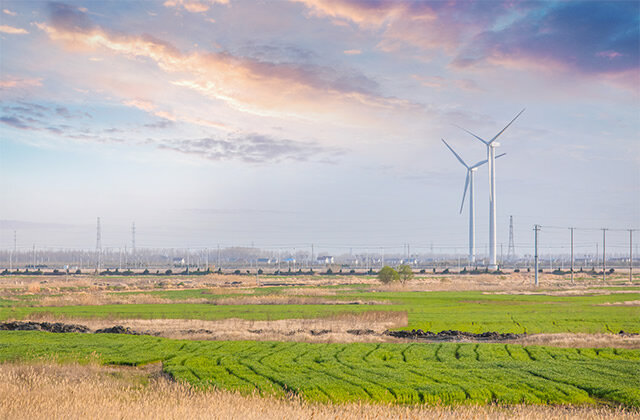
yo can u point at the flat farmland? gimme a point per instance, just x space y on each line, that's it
330 341
592 310
449 373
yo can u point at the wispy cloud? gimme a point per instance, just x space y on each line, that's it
252 148
422 24
352 52
246 84
194 6
8 82
9 12
13 31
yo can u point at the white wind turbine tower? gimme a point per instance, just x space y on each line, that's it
491 157
469 184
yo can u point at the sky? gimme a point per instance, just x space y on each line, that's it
286 123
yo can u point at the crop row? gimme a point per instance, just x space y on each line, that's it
398 373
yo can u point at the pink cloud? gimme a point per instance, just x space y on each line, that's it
245 84
426 25
13 31
9 12
18 82
194 6
609 54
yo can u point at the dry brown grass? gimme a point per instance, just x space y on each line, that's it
623 303
221 284
332 329
106 298
579 340
52 391
294 300
101 298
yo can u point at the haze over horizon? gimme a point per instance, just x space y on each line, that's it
244 122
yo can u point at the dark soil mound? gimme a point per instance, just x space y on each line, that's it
117 329
453 335
361 332
54 327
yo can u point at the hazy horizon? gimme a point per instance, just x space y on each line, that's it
238 122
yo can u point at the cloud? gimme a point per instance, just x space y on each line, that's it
438 82
14 122
9 12
252 148
10 82
151 108
194 6
244 83
352 52
36 117
11 30
426 25
591 38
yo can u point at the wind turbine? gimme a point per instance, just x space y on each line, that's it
491 157
468 183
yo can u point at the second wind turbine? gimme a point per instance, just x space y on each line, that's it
469 184
491 157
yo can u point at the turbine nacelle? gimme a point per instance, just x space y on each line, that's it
470 170
493 142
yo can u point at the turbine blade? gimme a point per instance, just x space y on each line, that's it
464 194
500 155
502 131
477 165
479 138
454 152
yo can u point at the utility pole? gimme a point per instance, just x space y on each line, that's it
312 260
511 251
536 228
15 249
604 254
133 243
206 250
630 256
98 246
571 229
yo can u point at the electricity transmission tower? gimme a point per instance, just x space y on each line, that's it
511 252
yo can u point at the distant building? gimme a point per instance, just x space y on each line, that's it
179 262
328 259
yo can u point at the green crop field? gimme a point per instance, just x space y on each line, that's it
398 373
471 311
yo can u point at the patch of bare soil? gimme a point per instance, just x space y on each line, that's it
55 327
453 335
